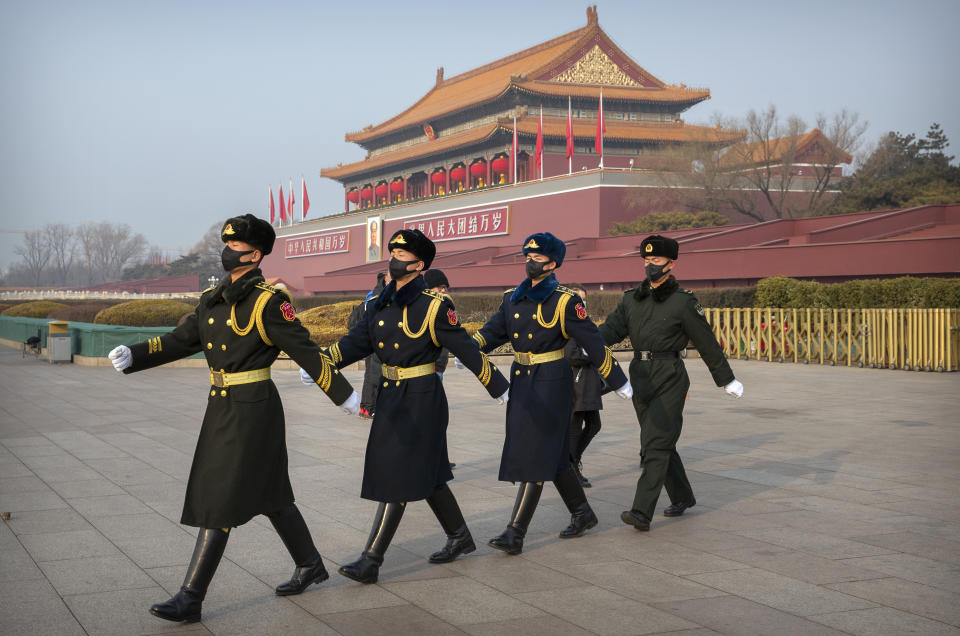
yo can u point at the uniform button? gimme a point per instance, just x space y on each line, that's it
528 371
209 321
209 345
380 323
396 345
223 393
530 336
385 384
516 315
517 372
223 347
534 316
398 382
213 392
516 335
229 322
380 344
400 324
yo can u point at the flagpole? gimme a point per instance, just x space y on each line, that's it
292 201
303 188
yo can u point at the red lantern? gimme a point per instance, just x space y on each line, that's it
366 193
438 177
382 190
500 164
353 196
396 187
478 169
458 174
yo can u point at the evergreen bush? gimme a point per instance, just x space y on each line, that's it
35 309
144 313
86 312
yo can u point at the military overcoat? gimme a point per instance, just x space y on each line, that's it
540 319
240 464
406 457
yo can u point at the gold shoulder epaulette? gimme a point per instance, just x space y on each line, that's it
686 291
566 290
433 294
274 290
509 290
210 288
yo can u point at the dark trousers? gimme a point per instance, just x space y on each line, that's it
371 383
660 424
584 426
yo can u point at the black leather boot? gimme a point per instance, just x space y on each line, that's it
185 604
366 569
459 540
511 540
293 530
582 517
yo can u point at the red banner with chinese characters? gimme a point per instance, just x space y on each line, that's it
462 225
317 244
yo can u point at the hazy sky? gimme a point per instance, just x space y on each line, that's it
171 115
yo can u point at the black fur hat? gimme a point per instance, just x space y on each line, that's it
249 229
656 245
435 278
415 242
547 244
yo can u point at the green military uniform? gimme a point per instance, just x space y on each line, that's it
659 321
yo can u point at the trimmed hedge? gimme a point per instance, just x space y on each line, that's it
327 323
144 313
895 293
36 309
79 313
303 303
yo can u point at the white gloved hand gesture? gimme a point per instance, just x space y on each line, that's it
352 404
626 391
503 399
735 389
305 377
121 357
458 364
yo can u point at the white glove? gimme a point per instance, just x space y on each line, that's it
458 364
121 357
352 404
503 399
626 391
305 377
735 388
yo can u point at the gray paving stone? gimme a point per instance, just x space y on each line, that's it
914 568
33 607
23 501
388 622
639 582
883 621
908 596
95 574
917 544
740 617
86 488
73 544
814 542
121 612
460 600
148 539
538 626
40 521
108 505
17 485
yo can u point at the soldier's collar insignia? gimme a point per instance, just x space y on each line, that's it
399 240
228 230
648 248
532 245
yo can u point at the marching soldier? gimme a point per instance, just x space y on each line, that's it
240 463
406 460
660 318
537 318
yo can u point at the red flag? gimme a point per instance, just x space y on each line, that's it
304 199
540 145
273 215
513 156
601 128
569 132
291 202
283 205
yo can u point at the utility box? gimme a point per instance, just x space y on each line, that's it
59 346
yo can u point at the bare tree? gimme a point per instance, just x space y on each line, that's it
845 133
61 239
35 252
108 248
210 245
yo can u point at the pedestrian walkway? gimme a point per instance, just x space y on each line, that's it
828 501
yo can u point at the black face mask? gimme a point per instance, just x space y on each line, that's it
655 272
535 269
398 268
230 258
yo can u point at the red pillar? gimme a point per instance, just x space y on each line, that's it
447 173
406 193
489 171
346 201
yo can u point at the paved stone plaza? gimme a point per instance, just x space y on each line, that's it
828 502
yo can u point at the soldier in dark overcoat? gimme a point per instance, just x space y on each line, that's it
240 464
406 326
660 319
537 318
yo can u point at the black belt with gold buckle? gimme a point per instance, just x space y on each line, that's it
656 355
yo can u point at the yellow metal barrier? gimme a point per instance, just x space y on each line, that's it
912 339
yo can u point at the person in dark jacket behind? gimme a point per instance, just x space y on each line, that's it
587 403
240 464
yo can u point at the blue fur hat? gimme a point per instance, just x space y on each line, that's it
547 244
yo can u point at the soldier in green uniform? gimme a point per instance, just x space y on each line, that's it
660 318
240 464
